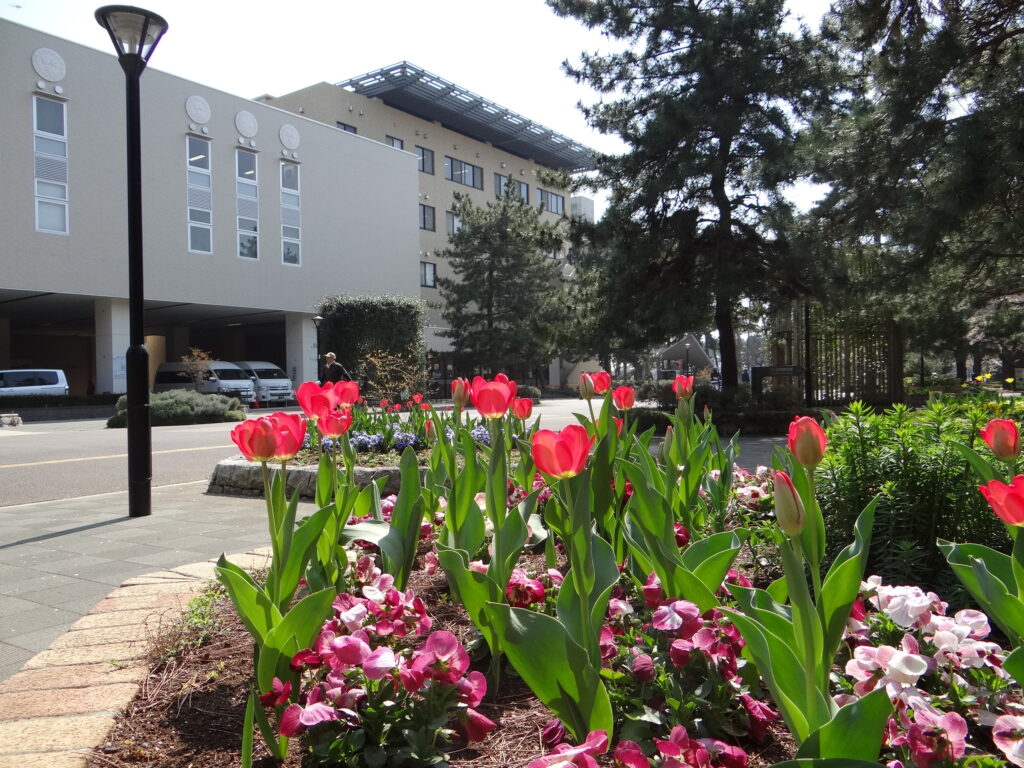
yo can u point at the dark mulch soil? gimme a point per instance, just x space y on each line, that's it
189 713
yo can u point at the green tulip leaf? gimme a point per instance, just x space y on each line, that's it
300 550
254 606
842 583
398 547
291 634
854 733
1014 664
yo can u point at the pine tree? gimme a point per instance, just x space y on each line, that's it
504 304
705 95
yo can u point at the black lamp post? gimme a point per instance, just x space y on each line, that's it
687 358
317 319
135 33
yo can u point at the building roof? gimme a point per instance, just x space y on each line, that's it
411 89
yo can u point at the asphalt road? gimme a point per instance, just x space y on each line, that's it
43 461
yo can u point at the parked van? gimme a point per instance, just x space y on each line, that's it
33 381
271 383
221 379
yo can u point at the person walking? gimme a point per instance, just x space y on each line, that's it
332 371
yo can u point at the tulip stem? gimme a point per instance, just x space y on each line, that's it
804 613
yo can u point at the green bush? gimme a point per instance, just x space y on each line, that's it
182 406
927 490
646 418
531 392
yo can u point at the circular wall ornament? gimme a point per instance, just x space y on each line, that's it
246 124
289 136
198 109
48 64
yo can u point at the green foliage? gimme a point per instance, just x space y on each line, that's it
531 392
196 626
505 302
182 406
927 489
354 327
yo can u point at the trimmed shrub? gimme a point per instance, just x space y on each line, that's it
927 491
531 392
182 406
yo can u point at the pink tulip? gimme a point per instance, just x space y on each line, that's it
807 441
1003 438
562 454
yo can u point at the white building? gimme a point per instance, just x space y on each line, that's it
253 210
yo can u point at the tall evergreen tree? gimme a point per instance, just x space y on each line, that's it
705 95
505 303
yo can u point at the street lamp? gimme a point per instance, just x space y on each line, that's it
687 358
135 33
317 319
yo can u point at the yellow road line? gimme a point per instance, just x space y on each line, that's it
111 456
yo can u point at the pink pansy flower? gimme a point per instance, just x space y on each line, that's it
643 668
380 663
556 576
618 608
366 571
295 719
1008 735
472 688
442 657
724 755
474 726
760 714
627 754
431 563
937 739
278 693
680 616
553 732
680 751
606 643
478 566
565 755
522 591
349 650
679 652
653 594
350 610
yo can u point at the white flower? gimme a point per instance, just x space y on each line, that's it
906 668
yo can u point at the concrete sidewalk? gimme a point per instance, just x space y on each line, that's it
59 558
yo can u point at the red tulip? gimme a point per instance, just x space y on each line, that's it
306 393
624 397
683 387
346 392
1007 501
428 429
335 423
807 441
562 454
461 392
492 398
501 377
522 407
256 438
278 436
602 382
1002 437
586 386
789 509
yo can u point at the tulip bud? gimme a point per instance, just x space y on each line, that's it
586 386
460 393
807 441
643 668
683 387
666 444
1002 437
789 509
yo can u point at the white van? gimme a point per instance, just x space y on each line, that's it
271 383
221 379
33 381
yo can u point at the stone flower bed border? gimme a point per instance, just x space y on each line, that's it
241 477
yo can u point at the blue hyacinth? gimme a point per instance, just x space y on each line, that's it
480 434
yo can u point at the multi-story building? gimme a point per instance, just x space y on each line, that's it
253 210
251 214
462 143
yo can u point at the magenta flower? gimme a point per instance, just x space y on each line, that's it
627 754
553 732
380 663
760 716
643 668
442 657
565 755
937 739
278 694
680 745
296 718
472 688
724 755
652 591
474 726
1008 735
522 592
679 616
679 652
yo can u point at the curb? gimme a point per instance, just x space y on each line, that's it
63 701
241 477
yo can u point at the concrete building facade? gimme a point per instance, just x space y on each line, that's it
251 215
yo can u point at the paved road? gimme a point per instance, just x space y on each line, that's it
44 461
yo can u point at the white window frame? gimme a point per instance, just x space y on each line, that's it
207 172
544 199
422 154
428 215
394 141
42 199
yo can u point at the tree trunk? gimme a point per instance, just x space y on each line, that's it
961 365
726 341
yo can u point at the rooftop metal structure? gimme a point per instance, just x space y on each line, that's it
411 89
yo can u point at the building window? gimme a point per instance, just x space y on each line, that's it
291 219
51 166
426 159
396 143
347 128
501 182
452 222
247 204
463 173
199 199
428 274
427 217
550 202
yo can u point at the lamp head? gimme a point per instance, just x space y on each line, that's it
135 33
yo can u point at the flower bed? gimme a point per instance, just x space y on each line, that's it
656 649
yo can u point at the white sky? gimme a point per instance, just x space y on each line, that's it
508 51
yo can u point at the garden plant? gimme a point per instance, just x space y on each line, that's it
632 586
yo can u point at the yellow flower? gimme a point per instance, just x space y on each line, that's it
988 376
964 385
978 378
1009 380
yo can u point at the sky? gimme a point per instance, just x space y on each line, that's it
507 51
